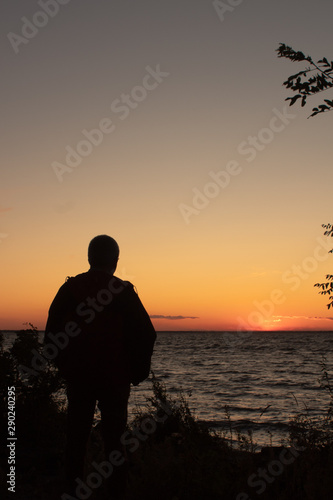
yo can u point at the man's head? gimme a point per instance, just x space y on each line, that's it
103 253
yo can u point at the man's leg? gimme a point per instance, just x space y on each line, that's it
81 407
113 401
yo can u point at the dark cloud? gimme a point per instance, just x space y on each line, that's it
320 317
161 316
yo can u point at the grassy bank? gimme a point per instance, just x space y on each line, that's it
172 456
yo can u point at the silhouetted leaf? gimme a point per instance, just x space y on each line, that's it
320 80
293 99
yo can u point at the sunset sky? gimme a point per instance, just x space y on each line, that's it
164 124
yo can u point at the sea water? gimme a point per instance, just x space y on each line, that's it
264 378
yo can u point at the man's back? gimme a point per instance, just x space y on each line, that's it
111 323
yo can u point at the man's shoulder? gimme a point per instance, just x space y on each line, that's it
89 281
71 281
124 283
77 277
86 283
121 287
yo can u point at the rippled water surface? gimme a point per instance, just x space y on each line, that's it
246 371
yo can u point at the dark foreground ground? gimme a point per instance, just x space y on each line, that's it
178 460
171 455
178 468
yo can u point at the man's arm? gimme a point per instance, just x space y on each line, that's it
140 335
59 312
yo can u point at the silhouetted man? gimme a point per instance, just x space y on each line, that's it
105 340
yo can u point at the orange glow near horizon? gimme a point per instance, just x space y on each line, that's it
222 294
179 293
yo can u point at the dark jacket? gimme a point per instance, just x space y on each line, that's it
106 332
